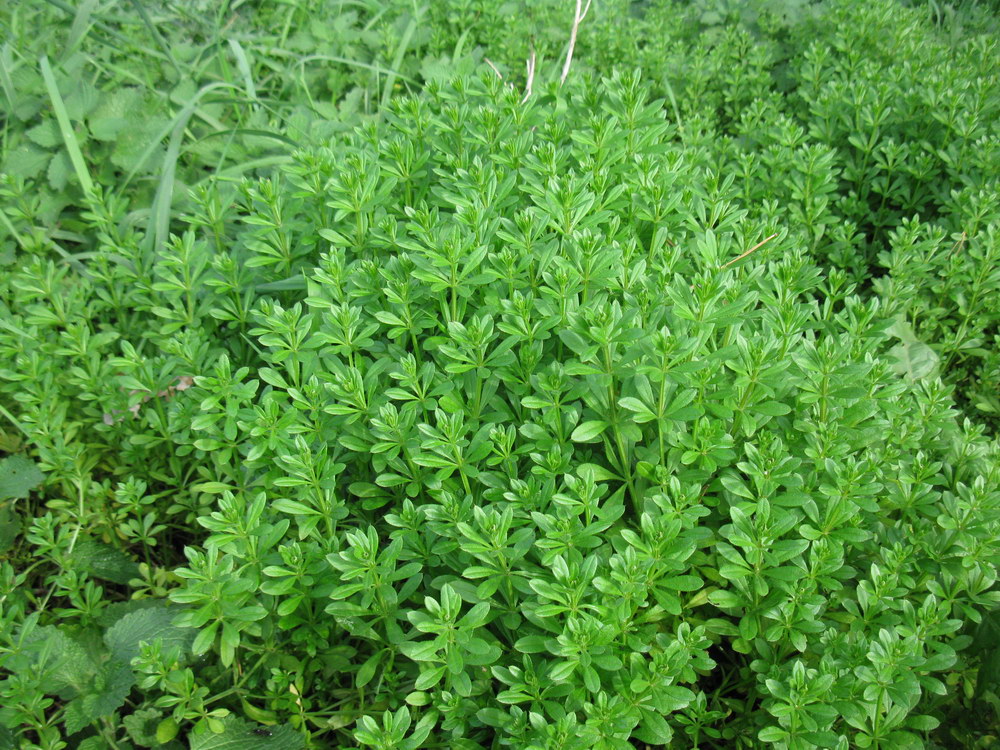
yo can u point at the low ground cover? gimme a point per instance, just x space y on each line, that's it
364 382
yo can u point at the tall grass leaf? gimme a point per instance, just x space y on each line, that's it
141 10
104 28
66 128
82 23
255 133
6 65
357 64
247 166
160 215
397 61
243 64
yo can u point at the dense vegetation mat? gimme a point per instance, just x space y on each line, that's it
363 384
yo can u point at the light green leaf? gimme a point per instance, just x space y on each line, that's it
27 161
588 431
10 527
293 507
682 583
771 408
915 360
642 412
141 726
65 662
60 168
46 134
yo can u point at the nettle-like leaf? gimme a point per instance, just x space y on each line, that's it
61 664
18 476
154 623
141 726
106 693
241 734
104 561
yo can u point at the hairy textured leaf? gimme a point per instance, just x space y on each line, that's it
241 735
104 561
18 476
105 695
147 625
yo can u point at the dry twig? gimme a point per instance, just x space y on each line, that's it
531 76
743 255
493 67
581 13
752 249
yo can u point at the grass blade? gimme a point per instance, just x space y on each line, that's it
82 23
6 66
66 128
404 44
159 219
243 64
255 133
156 35
355 63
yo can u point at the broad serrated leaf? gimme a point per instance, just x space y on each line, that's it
64 661
147 625
10 527
81 98
59 171
141 726
106 694
27 161
241 735
104 561
18 476
46 134
117 610
138 147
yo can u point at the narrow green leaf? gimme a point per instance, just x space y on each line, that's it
66 128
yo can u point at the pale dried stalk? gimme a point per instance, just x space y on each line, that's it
578 16
741 257
531 76
752 249
493 67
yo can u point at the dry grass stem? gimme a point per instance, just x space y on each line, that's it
531 76
751 250
581 13
493 67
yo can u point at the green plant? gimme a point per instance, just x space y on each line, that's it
581 419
